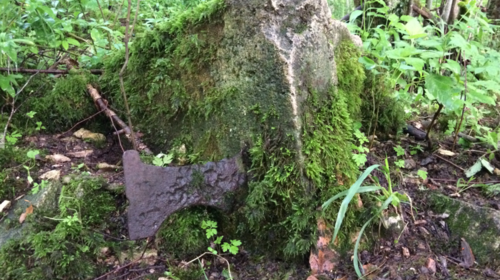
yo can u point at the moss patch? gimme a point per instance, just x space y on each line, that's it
479 226
62 242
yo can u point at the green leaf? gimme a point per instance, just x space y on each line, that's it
422 174
32 153
474 169
65 45
236 243
442 87
453 66
350 194
487 165
458 41
415 62
94 34
415 29
367 62
354 15
73 42
218 240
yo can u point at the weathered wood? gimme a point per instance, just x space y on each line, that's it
43 71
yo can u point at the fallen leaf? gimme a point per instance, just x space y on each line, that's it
467 255
29 209
487 165
431 265
51 175
406 252
81 154
445 152
22 217
5 205
107 167
57 158
474 169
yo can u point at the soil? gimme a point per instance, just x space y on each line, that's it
423 251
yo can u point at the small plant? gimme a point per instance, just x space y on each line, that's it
415 149
388 197
422 174
163 159
399 152
359 157
211 229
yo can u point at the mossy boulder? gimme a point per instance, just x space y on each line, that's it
260 74
479 226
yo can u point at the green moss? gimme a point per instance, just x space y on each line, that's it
65 104
479 226
181 234
62 243
351 77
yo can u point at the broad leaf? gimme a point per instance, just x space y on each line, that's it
444 89
474 169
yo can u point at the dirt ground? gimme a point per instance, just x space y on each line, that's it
424 250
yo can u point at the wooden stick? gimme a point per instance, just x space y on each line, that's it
103 105
48 71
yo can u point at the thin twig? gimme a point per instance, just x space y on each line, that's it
427 136
122 86
48 71
86 119
117 134
13 107
463 109
197 258
450 162
124 266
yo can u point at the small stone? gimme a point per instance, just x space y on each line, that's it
431 265
410 164
427 161
5 205
424 270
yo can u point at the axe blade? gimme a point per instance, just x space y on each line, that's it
156 192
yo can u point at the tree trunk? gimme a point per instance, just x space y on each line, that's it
279 77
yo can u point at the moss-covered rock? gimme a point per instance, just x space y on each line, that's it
225 75
479 226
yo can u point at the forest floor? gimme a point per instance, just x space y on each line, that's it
412 257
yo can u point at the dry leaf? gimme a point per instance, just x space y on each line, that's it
445 152
29 210
22 217
57 158
5 205
81 154
51 175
